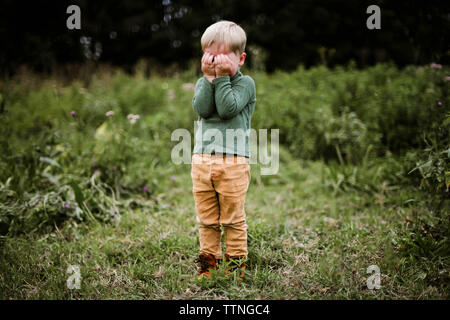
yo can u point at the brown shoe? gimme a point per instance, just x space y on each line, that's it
207 262
233 264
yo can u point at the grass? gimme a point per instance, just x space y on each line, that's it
304 242
363 180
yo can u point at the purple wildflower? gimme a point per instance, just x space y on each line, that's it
133 118
436 66
173 178
73 113
145 189
66 206
439 103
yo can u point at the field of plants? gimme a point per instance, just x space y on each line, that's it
86 180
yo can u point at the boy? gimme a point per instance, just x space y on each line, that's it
224 100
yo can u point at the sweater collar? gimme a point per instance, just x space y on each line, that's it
236 75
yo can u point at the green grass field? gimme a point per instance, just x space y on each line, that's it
304 243
314 228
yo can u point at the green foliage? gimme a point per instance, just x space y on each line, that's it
364 155
319 110
434 164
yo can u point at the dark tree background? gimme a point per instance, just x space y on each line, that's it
306 32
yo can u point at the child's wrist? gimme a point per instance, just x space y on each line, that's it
224 74
210 78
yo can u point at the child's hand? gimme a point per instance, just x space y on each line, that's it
224 66
208 66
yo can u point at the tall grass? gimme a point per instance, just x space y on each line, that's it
72 154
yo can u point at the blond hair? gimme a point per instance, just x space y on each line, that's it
225 32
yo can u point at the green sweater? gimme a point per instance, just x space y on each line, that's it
226 103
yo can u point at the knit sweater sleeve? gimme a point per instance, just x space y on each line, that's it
230 97
203 100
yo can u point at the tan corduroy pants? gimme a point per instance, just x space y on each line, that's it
220 184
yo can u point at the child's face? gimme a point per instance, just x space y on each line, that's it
216 49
